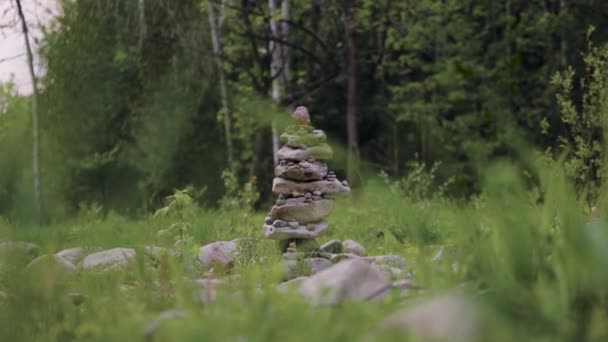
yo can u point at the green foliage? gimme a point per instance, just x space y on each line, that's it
585 121
238 196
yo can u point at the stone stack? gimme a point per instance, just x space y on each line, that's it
304 185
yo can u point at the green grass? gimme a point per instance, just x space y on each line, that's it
537 266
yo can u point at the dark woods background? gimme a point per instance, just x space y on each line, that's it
131 105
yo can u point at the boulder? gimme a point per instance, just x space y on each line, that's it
322 151
445 318
51 263
108 259
218 254
329 187
19 248
290 284
298 209
308 231
73 255
352 246
302 171
349 280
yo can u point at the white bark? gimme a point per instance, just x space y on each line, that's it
215 22
35 138
279 60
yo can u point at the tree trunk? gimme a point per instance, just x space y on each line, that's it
35 139
351 91
141 6
279 62
217 55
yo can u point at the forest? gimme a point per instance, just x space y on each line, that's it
469 134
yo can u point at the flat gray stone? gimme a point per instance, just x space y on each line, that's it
218 254
73 255
108 259
308 231
321 152
352 246
303 139
349 280
302 171
329 187
297 209
445 318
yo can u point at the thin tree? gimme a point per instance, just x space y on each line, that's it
35 138
215 23
279 60
351 90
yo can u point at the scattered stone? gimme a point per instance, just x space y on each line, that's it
310 231
108 259
325 255
330 187
297 209
303 171
333 246
294 224
52 264
20 248
290 284
445 318
349 280
352 246
73 255
152 326
220 254
390 271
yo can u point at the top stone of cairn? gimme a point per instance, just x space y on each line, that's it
301 117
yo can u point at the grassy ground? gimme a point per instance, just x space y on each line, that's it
535 263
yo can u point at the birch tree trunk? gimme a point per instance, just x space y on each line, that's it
279 61
35 138
215 24
351 91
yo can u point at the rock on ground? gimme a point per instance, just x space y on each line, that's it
73 255
352 279
51 263
19 247
108 259
290 284
352 246
218 254
445 318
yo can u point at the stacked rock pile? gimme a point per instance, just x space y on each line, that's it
304 185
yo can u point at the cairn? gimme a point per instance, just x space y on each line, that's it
304 186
